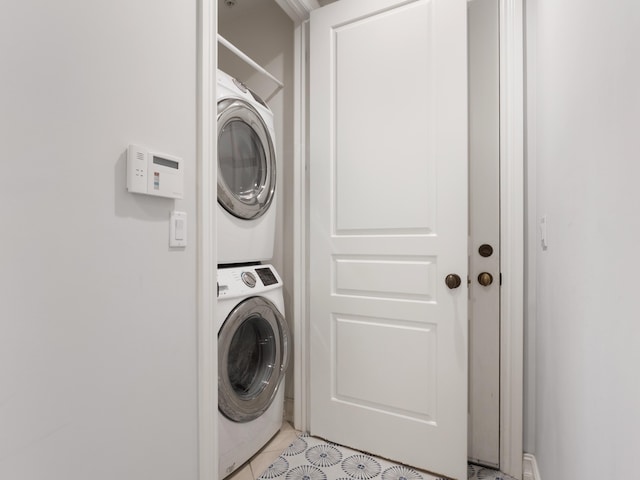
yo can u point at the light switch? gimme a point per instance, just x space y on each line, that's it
544 239
178 229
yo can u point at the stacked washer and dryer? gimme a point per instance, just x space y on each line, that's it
253 335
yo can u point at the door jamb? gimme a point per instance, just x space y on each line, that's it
511 25
300 230
511 235
207 25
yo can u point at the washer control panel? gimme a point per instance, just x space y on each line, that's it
252 279
267 276
249 279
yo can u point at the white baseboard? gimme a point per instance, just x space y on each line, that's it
530 468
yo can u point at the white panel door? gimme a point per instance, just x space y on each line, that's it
388 223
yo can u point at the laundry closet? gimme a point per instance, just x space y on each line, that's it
255 186
265 33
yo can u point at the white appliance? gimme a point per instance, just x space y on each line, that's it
247 166
253 351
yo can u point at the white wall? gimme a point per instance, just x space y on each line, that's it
98 356
583 120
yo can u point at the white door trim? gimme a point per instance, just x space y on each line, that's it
512 236
530 468
207 248
300 229
298 10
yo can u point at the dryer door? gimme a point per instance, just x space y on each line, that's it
246 160
252 359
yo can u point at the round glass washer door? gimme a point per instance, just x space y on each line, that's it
246 160
253 354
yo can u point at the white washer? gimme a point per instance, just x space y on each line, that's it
247 167
253 351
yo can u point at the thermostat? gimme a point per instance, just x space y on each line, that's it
153 173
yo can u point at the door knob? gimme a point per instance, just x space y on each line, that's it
452 280
485 279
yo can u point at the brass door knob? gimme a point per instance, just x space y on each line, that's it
485 250
453 281
485 279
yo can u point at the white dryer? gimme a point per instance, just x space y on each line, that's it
247 167
253 351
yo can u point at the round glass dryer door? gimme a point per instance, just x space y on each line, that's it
246 160
252 359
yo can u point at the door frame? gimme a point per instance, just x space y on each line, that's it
512 191
207 181
511 32
511 217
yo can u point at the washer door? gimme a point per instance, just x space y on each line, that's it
246 160
252 359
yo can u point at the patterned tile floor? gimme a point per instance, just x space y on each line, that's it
309 458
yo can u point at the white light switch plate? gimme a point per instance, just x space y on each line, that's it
178 229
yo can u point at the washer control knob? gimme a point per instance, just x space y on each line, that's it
249 279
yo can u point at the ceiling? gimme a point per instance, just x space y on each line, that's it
231 9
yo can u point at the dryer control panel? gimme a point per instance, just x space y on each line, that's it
247 280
